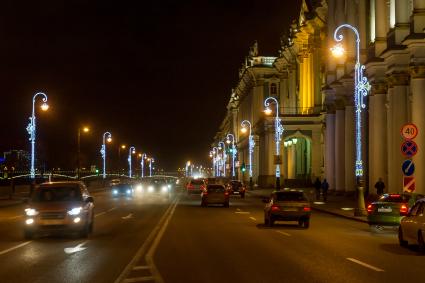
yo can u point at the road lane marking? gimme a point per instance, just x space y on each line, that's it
140 279
109 210
14 248
128 216
242 212
283 233
99 214
76 249
252 218
238 209
141 267
365 264
14 217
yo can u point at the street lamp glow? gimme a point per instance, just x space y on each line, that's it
86 129
131 151
31 128
278 133
361 89
123 146
338 50
106 136
244 130
294 141
109 139
268 111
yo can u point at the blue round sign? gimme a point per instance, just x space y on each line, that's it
408 167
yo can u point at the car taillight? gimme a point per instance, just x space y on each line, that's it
190 186
275 207
370 208
226 193
403 210
307 208
204 193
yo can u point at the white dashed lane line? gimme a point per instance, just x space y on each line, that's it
283 233
252 218
365 264
14 248
242 212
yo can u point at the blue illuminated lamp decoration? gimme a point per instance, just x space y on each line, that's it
224 157
31 128
233 152
278 133
215 161
361 89
131 151
212 156
108 136
151 160
251 145
142 164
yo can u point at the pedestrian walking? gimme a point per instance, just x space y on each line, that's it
380 186
317 185
325 187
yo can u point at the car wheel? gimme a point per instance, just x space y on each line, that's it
401 240
226 204
306 223
421 243
28 235
266 221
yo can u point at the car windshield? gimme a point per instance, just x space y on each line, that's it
394 198
215 188
290 196
57 193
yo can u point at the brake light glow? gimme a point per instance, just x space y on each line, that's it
403 209
275 207
307 208
370 208
226 193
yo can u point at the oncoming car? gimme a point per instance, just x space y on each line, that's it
122 189
59 207
155 187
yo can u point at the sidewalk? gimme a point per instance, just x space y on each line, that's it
340 206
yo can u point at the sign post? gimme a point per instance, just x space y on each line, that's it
409 148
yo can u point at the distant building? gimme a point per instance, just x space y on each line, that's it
16 159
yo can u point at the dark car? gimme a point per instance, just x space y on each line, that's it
195 186
59 207
236 188
287 206
122 189
215 194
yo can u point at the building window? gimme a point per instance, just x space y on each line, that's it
273 89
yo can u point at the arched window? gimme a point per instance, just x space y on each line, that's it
273 89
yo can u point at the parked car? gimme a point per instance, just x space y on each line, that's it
195 186
388 210
412 226
215 194
287 206
59 207
236 188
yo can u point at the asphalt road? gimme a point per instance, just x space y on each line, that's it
179 241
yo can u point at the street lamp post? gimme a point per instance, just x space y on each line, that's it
233 152
123 146
151 160
278 135
251 145
361 89
215 161
131 151
224 157
142 164
31 128
85 130
106 136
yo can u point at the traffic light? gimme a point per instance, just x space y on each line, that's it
97 171
243 167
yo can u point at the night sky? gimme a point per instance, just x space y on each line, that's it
157 74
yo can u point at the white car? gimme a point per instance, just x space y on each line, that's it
412 226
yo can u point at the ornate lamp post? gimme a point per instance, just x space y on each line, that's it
142 164
224 156
106 136
131 151
278 135
85 130
31 128
361 89
251 145
233 152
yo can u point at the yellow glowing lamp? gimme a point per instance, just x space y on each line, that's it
123 146
227 141
44 106
86 129
244 130
109 139
140 155
338 50
268 111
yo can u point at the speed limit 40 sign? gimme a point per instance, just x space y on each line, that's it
409 131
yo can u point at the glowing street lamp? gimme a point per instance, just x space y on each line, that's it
131 150
247 124
278 133
224 156
361 89
142 164
85 130
106 137
233 151
31 128
187 168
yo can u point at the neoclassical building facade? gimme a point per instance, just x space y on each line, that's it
315 94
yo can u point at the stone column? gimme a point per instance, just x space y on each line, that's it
402 19
330 150
377 135
350 160
291 161
417 84
362 31
316 153
340 150
418 16
381 26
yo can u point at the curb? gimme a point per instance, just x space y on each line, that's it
340 215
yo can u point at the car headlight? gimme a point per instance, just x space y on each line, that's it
169 186
164 189
150 189
139 188
31 212
75 211
115 191
128 191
